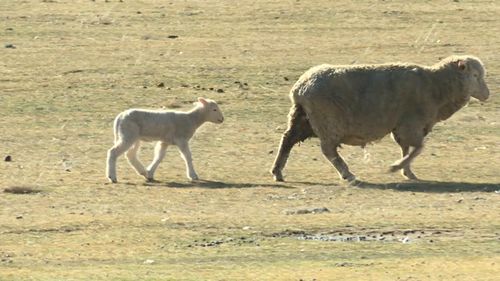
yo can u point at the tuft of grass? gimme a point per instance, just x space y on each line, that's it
21 190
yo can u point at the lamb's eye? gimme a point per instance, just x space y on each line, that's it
215 109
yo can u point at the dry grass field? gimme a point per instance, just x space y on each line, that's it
68 67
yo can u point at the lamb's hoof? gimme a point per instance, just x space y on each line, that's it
152 180
112 180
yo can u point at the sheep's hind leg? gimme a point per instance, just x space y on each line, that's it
298 130
331 153
118 149
186 155
160 151
134 162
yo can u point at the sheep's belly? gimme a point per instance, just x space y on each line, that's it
361 139
149 138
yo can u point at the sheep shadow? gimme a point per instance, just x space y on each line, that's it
432 186
216 184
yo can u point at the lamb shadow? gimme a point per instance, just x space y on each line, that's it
218 184
432 186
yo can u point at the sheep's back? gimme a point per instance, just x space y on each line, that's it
361 103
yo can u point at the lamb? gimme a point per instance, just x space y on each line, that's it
358 104
167 127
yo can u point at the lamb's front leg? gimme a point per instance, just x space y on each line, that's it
186 155
160 151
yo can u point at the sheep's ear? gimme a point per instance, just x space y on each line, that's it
202 101
461 65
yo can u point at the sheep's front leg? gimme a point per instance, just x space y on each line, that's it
186 155
331 153
406 172
404 163
408 137
160 151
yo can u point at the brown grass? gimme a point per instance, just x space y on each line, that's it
78 63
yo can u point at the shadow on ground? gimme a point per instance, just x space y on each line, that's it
215 184
432 186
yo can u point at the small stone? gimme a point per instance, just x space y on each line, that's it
10 46
149 262
19 217
286 78
8 158
220 91
172 36
160 85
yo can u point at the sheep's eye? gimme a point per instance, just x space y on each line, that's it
215 109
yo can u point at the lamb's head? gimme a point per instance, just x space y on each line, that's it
473 73
214 114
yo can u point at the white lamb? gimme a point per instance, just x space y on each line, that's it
167 127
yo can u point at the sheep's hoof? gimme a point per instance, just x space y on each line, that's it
409 175
350 178
394 168
277 176
113 180
355 183
151 180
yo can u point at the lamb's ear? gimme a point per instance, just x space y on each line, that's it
461 65
202 101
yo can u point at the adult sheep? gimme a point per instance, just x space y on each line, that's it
167 127
358 104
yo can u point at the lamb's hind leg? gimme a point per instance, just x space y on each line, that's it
134 161
118 149
329 149
298 130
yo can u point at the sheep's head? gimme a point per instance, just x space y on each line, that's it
214 114
473 74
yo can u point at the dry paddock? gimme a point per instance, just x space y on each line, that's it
68 67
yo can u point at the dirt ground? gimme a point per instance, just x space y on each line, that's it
68 67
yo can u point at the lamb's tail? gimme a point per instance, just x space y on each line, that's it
116 126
